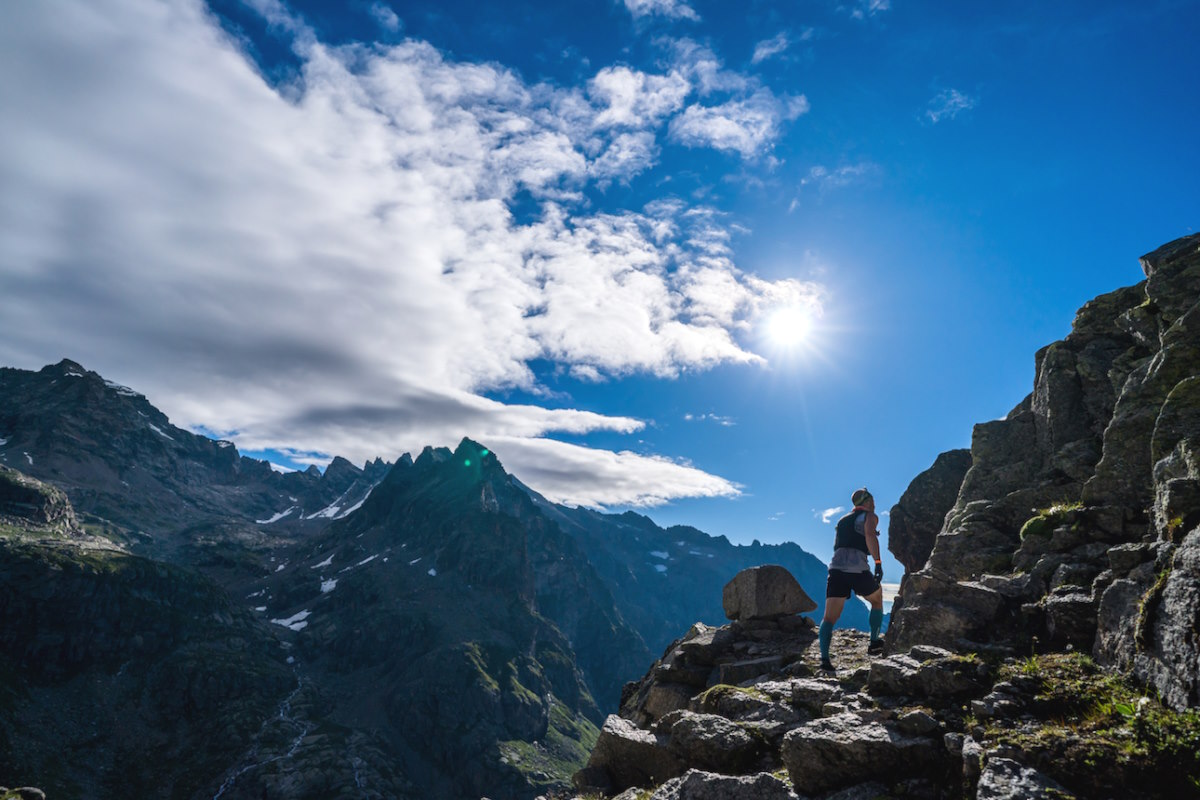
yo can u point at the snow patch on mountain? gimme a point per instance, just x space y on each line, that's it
296 622
276 517
324 563
160 432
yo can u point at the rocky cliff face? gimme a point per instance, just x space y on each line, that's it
102 653
1046 642
1077 522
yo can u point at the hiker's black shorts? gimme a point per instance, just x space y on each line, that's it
840 583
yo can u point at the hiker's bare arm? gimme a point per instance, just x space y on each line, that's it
871 530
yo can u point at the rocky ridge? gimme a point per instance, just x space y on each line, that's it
1078 523
1046 642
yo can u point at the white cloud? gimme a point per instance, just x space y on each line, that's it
703 68
746 126
567 473
385 16
770 47
672 9
828 514
332 266
838 177
948 104
632 98
627 155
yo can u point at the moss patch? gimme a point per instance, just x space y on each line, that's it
1095 729
1045 520
710 697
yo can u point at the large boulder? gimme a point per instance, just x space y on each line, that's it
711 742
698 785
764 593
629 756
837 751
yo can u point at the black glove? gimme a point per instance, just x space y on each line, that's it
879 572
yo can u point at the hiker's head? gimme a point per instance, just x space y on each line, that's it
861 497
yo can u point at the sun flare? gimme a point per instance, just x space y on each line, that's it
790 326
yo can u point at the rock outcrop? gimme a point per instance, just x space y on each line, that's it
1077 522
1047 639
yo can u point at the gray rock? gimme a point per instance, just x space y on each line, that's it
918 723
832 753
764 592
1124 557
737 672
712 743
917 519
812 694
1173 276
972 763
935 680
630 756
663 698
1172 664
1005 779
699 785
944 612
1071 619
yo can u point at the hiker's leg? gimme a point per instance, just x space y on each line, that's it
833 610
875 618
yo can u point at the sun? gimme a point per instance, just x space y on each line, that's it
790 327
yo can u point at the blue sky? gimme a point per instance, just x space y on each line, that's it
566 230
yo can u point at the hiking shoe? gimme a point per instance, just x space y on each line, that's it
875 646
827 665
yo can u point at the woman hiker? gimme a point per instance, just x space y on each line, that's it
857 538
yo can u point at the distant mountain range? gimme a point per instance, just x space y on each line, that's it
426 628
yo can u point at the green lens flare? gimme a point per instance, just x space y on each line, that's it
484 452
467 463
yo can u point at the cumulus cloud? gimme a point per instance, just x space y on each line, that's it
948 104
746 126
332 266
671 9
632 98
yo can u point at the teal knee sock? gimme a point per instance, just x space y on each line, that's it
876 620
825 636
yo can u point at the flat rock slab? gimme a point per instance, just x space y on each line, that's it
698 785
764 592
833 752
